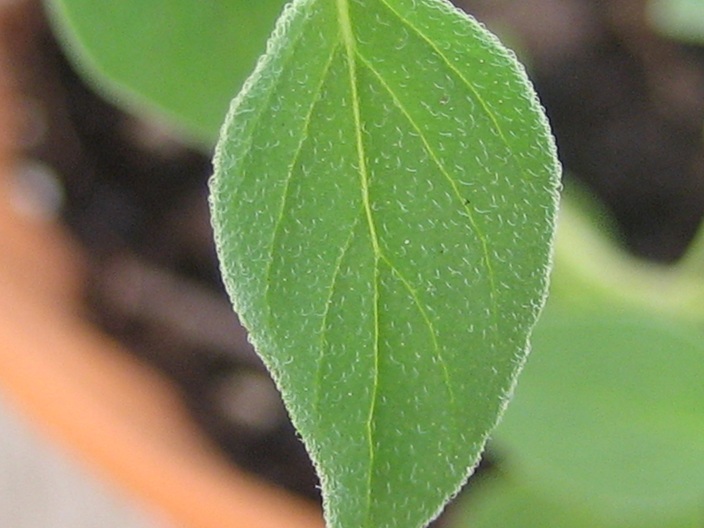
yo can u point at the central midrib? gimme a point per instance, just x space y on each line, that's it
350 50
348 40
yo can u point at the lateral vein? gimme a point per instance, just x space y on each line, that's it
486 257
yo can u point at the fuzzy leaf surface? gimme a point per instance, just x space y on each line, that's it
384 198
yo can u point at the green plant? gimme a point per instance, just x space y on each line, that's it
384 198
397 266
606 427
179 59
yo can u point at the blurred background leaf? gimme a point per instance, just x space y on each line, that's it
184 58
501 502
611 410
680 19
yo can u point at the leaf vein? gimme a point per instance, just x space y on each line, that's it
485 107
428 322
237 102
326 313
289 175
349 41
443 170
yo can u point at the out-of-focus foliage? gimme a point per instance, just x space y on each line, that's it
607 423
185 59
679 19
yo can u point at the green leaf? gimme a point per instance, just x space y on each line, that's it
384 198
610 410
680 19
186 58
501 502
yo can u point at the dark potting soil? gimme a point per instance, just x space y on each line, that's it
627 108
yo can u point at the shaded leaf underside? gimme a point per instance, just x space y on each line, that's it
384 225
